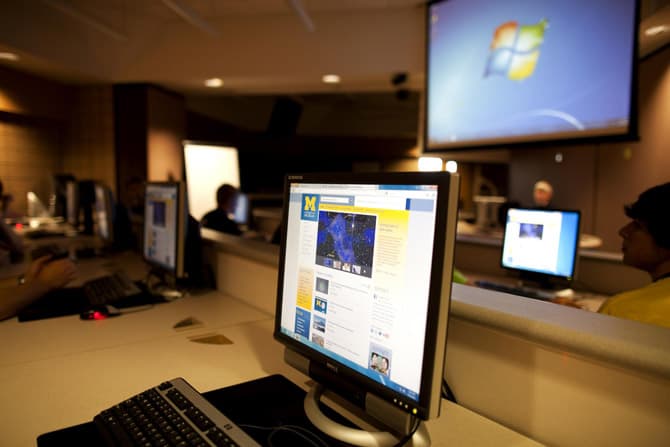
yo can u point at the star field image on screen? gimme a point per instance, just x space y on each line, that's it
345 242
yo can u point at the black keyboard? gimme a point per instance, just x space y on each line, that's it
528 292
110 288
41 234
170 414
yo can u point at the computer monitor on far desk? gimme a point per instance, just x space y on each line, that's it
165 220
541 245
363 295
103 214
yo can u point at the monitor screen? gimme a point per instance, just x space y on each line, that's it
208 166
541 242
365 281
103 213
72 203
501 72
164 226
242 211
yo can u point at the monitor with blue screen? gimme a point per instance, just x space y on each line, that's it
541 244
364 287
165 226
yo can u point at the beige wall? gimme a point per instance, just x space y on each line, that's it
33 115
89 151
47 127
166 121
30 151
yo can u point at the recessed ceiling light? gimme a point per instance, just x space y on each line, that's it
331 79
654 30
6 56
451 166
214 82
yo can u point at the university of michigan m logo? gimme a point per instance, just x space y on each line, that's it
310 203
310 207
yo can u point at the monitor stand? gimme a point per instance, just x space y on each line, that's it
540 281
164 285
355 436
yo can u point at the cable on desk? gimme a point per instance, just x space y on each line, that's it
136 309
306 435
405 439
447 393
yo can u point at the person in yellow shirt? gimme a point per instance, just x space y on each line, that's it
646 246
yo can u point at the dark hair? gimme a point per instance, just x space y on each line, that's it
224 193
653 209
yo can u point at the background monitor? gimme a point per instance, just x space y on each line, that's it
61 196
503 72
541 244
364 287
242 211
103 213
72 203
165 218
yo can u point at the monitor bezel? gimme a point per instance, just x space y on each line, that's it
535 274
178 269
356 384
631 133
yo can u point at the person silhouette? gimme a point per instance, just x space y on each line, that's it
219 218
646 246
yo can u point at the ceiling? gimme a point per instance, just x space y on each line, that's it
255 46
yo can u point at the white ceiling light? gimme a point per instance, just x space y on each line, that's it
6 56
214 82
331 79
451 166
430 164
654 30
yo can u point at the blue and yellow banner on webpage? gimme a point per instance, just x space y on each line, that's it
310 207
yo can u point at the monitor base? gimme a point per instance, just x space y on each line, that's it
354 436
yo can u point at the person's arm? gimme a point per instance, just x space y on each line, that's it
12 240
42 277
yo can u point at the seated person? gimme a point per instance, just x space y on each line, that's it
543 192
42 276
219 218
11 246
646 246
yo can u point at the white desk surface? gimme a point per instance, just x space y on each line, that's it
61 372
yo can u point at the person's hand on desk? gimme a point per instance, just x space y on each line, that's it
566 301
47 274
43 275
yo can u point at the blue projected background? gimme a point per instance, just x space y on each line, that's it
574 78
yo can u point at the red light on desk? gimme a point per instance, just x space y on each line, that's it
99 315
19 226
